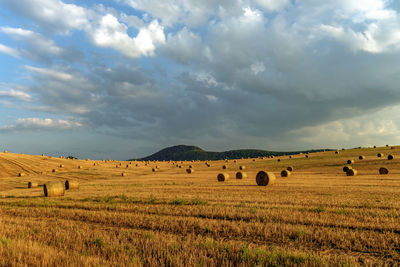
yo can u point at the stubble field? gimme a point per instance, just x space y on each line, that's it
317 217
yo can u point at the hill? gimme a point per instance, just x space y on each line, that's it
184 152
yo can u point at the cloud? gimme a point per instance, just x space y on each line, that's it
52 15
15 94
38 124
112 33
9 51
273 5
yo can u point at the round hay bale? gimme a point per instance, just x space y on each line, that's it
387 145
383 170
265 178
285 173
279 160
346 168
290 168
222 177
374 146
361 157
94 164
390 157
350 161
224 167
336 152
124 174
242 167
307 156
392 147
290 157
153 169
351 172
21 174
190 166
33 184
380 155
53 170
61 166
54 189
190 170
71 184
241 175
80 167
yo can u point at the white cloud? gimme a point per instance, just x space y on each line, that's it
29 124
9 51
273 5
16 94
51 73
52 14
112 33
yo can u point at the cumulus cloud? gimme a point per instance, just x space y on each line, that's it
15 94
112 33
35 124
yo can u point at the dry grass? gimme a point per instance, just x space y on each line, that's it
320 218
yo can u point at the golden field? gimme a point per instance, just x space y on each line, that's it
316 217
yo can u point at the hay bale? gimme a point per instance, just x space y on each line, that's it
61 166
361 157
290 168
290 157
5 151
224 167
242 167
222 177
336 152
380 155
33 184
153 169
383 170
392 147
54 189
265 178
351 172
374 146
307 156
190 166
390 157
279 160
53 170
80 167
21 174
285 173
124 174
190 170
71 184
346 168
350 161
241 175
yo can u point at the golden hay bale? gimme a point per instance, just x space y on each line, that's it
374 146
54 189
124 174
222 177
190 166
254 159
285 173
265 178
224 167
180 166
390 157
5 151
208 165
307 156
153 169
392 147
336 152
94 164
350 161
127 166
241 175
190 170
242 167
351 172
346 168
80 167
380 155
290 157
272 157
21 174
361 157
387 145
279 160
383 170
71 184
290 168
32 185
53 170
61 166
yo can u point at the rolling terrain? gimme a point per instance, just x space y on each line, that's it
316 217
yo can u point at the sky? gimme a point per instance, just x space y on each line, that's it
125 78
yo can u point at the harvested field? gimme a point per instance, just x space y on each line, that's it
321 217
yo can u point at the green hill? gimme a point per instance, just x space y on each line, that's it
183 152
